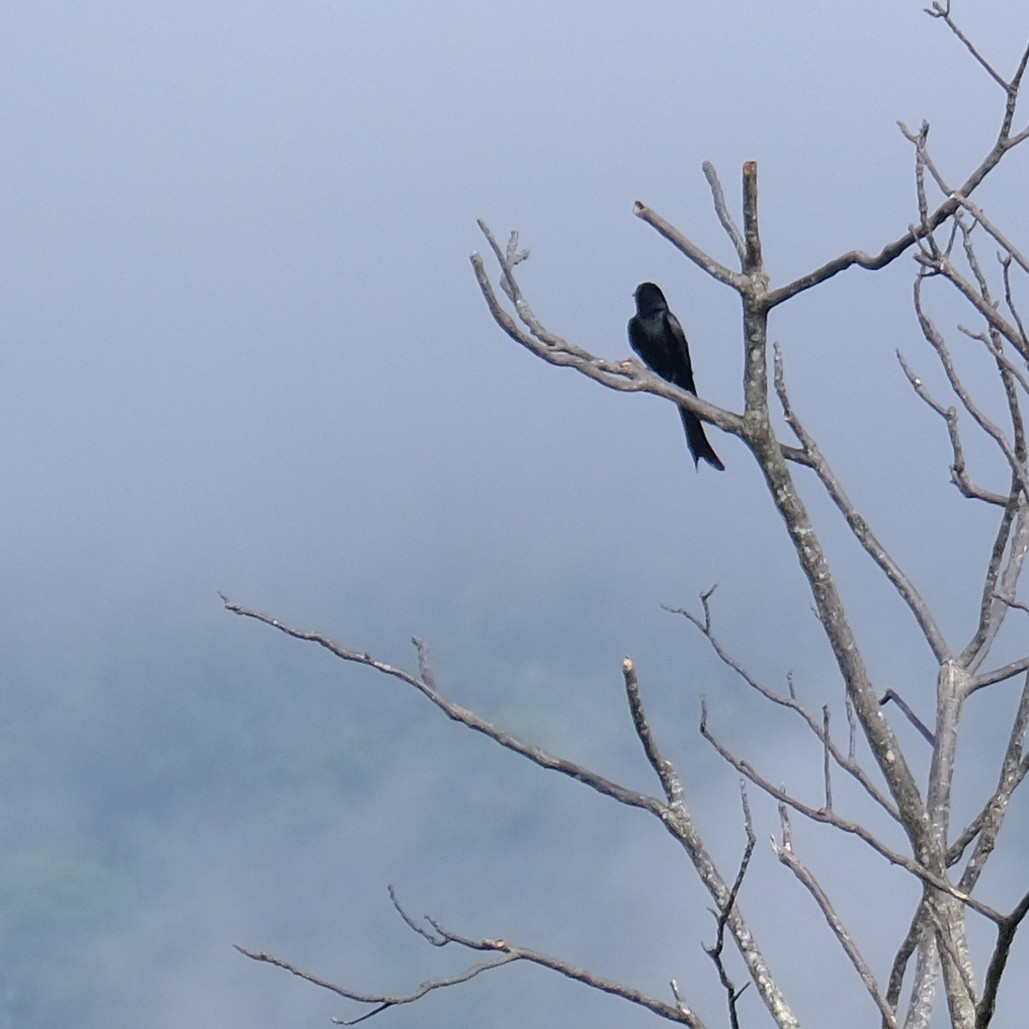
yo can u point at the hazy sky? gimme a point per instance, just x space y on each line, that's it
244 351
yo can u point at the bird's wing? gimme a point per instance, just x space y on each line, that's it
684 367
650 350
636 338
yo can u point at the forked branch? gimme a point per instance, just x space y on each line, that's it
507 953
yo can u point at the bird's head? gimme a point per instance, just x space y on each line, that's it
649 299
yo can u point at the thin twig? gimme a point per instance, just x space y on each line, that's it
938 344
826 753
1018 605
785 854
1005 263
942 11
979 215
722 210
991 611
715 951
958 473
909 714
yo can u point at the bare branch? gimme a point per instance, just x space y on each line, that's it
424 667
852 828
904 954
987 824
911 716
826 752
977 213
958 976
436 941
1018 605
1004 142
857 524
936 340
715 951
686 246
552 348
718 196
679 823
677 994
784 852
848 763
1005 937
675 818
753 263
509 954
460 714
761 439
926 976
1007 561
935 262
1000 674
672 1013
1005 263
958 474
382 1000
942 11
927 241
1005 365
1013 531
664 769
992 611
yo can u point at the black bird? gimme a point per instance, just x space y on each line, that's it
656 335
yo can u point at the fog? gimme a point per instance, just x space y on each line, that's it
244 352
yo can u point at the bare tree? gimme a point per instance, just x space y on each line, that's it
949 241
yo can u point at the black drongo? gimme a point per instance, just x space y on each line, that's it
656 335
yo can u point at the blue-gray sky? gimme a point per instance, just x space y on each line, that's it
244 351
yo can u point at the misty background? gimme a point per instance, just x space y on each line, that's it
244 352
